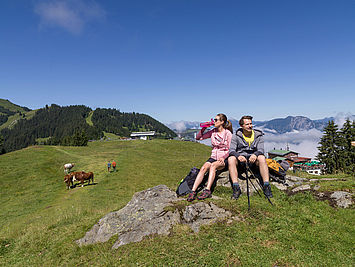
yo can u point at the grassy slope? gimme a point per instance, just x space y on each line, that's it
12 120
89 118
10 106
40 219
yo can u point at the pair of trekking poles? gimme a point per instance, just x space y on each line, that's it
248 179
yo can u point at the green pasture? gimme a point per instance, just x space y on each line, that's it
40 219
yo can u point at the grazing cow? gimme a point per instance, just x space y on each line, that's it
82 176
68 180
67 167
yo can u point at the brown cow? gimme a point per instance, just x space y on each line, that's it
82 176
68 180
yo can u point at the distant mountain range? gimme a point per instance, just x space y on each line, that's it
277 126
290 123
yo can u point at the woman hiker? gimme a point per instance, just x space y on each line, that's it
221 137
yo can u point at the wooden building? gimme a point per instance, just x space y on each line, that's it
142 135
290 156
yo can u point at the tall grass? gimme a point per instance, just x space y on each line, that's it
40 220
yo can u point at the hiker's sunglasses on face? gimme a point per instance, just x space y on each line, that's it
216 120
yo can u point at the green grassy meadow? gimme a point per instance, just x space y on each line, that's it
40 219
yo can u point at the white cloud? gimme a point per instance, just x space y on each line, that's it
179 126
71 15
341 117
303 142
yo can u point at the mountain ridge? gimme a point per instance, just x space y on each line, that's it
277 125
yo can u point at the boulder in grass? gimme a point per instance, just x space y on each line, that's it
147 214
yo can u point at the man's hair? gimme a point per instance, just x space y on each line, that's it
247 117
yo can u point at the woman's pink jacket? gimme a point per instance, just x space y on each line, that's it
220 142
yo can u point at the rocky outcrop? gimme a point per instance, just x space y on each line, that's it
151 212
294 184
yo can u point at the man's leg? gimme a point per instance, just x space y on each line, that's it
263 168
233 172
264 172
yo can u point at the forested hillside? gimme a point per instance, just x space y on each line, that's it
56 125
122 123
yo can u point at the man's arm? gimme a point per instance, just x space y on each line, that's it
234 146
260 147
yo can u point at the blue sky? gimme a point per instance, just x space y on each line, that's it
181 59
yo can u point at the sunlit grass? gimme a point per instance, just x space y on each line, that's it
40 220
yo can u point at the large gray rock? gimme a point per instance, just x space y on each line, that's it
147 214
342 199
203 213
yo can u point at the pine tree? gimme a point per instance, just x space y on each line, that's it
2 150
329 148
347 151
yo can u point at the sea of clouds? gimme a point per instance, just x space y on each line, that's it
303 142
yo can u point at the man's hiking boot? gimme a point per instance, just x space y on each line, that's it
205 194
236 193
267 191
192 196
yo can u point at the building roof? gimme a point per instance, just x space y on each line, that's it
301 159
133 134
281 152
279 158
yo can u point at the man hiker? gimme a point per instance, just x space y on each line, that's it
109 166
247 147
114 166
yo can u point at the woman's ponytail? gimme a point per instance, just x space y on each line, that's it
228 126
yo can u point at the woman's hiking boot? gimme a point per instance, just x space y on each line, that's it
205 194
192 196
236 193
267 191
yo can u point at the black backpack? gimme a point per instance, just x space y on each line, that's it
186 184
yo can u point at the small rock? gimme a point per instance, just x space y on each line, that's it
342 199
295 178
321 194
279 186
301 188
316 187
289 183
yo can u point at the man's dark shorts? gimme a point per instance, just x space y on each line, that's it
242 165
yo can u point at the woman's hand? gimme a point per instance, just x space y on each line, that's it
221 161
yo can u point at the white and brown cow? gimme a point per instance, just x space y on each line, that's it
68 167
68 180
82 177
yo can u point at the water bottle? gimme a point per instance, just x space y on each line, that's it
207 123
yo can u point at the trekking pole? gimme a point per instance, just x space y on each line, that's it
247 175
258 182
